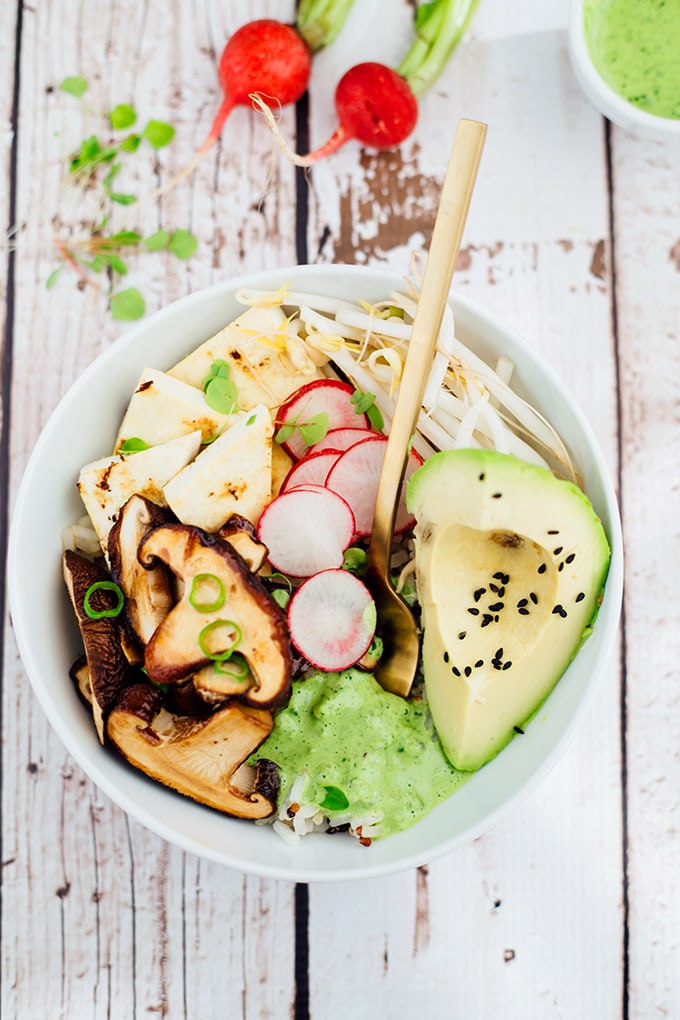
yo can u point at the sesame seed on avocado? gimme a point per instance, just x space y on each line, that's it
510 566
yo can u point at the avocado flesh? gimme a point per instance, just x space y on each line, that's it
510 566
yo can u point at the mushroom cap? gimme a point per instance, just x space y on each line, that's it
108 666
174 652
148 591
198 757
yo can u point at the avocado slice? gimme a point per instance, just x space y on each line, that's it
510 565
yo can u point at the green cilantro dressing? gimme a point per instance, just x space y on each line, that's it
635 46
351 737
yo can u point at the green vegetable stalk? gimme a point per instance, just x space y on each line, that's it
440 25
320 21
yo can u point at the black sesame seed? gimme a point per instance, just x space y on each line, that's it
499 653
556 552
479 662
496 664
580 597
523 602
534 597
524 612
561 566
493 588
507 665
496 607
462 635
468 670
496 618
481 477
554 531
473 611
542 569
478 594
570 558
486 619
560 611
518 729
499 575
501 591
446 656
505 578
455 670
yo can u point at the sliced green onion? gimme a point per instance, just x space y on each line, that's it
237 667
207 607
100 614
208 629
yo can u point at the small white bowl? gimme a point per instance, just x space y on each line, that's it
82 428
611 105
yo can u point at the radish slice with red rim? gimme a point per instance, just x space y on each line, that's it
306 530
331 618
340 439
312 469
355 476
330 397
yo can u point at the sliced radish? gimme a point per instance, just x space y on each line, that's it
340 439
331 619
306 530
312 469
322 396
355 476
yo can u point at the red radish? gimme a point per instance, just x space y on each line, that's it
339 439
331 619
330 397
264 57
313 469
374 106
355 477
306 530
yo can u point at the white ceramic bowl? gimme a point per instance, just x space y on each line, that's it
82 429
611 105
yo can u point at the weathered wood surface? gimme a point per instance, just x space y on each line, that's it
570 907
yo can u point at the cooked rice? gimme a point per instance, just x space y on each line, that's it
296 818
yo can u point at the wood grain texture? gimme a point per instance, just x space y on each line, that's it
569 906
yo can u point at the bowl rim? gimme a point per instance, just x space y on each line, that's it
610 104
94 765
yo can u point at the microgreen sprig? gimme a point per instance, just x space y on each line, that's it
95 166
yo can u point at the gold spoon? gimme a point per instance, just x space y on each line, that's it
397 626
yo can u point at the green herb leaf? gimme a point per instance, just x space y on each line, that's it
122 116
221 395
375 417
355 559
281 597
315 429
284 433
158 133
127 305
219 369
334 800
52 278
133 445
183 244
124 237
252 419
131 143
74 85
117 264
157 241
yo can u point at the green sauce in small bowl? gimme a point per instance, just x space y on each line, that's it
635 47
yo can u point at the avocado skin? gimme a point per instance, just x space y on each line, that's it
478 514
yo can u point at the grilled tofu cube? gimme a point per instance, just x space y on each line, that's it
233 475
163 408
106 484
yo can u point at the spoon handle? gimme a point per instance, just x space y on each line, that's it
452 212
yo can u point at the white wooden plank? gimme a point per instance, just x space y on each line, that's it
647 223
532 254
126 923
